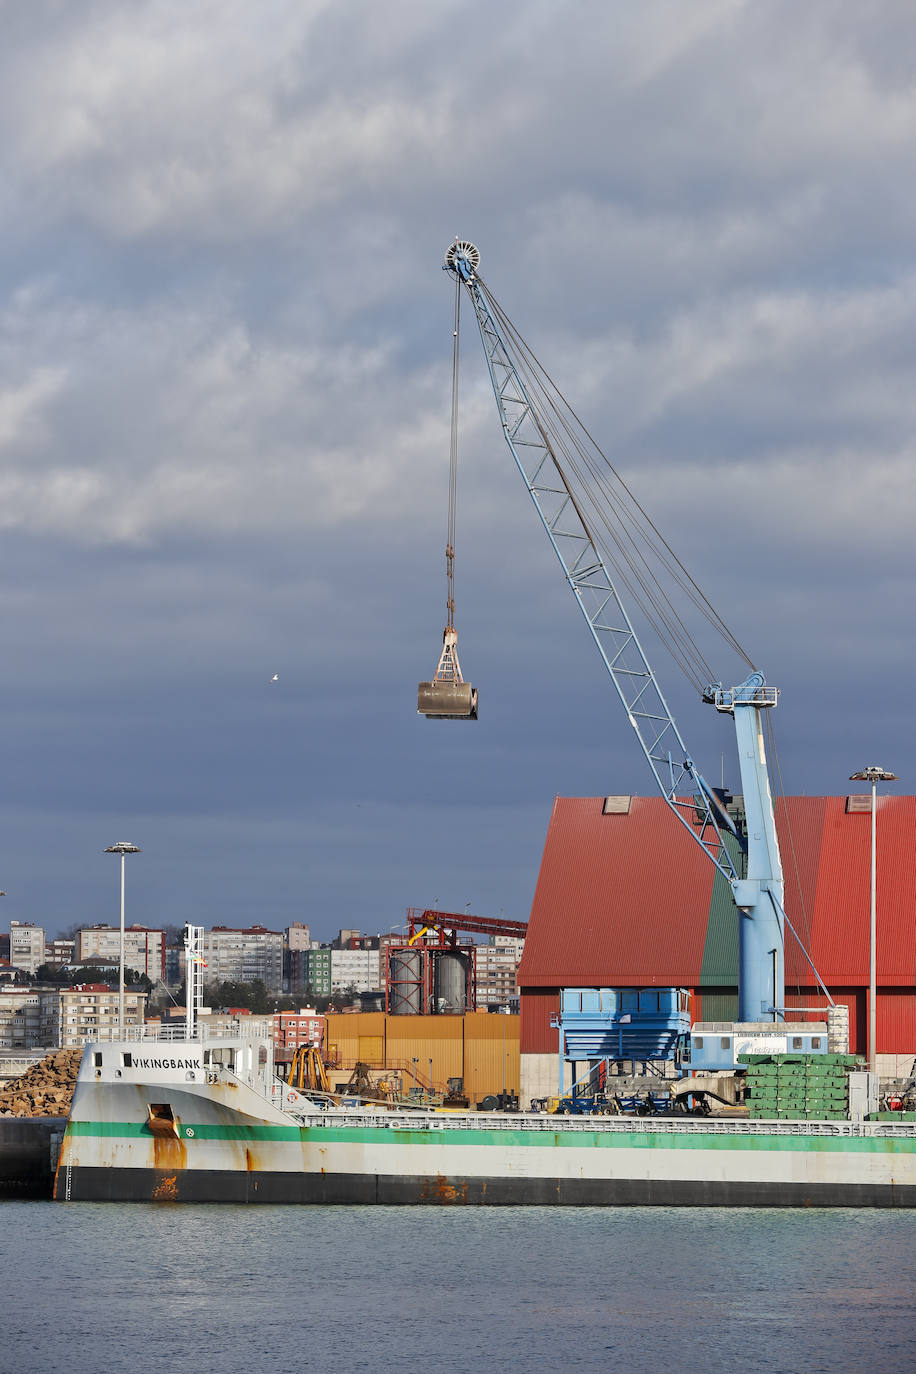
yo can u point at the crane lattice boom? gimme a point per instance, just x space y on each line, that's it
538 438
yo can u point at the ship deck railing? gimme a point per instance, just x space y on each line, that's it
547 1124
136 1034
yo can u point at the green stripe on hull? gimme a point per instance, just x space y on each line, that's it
139 1130
579 1140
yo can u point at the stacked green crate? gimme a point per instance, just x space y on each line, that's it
790 1086
798 1087
760 1085
827 1087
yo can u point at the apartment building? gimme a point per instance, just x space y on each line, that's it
27 946
297 944
496 970
59 952
295 1028
144 950
318 972
28 1018
233 955
354 968
45 1018
89 1011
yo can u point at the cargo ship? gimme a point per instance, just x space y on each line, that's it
208 1120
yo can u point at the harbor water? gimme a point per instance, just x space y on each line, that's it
104 1287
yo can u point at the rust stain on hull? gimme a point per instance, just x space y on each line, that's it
171 1158
170 1153
439 1190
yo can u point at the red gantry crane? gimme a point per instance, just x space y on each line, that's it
432 971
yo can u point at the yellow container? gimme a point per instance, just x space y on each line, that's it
483 1050
491 1055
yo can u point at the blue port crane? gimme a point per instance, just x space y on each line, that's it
590 517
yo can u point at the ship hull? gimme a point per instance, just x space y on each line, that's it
206 1186
178 1129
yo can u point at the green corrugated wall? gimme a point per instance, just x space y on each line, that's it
720 952
720 1005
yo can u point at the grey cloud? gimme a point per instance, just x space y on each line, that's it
224 369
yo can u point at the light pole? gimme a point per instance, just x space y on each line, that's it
874 774
122 848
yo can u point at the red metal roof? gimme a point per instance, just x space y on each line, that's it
619 899
624 899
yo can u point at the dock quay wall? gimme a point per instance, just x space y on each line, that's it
29 1148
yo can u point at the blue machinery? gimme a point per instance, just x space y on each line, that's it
605 1026
538 433
614 1024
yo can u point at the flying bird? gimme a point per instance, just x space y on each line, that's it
275 678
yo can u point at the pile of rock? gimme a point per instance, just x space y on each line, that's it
46 1089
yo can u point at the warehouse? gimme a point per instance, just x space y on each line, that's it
626 898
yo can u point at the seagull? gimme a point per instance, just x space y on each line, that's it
275 678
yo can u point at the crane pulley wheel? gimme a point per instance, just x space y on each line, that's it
462 248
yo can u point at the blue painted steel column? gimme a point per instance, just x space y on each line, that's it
761 962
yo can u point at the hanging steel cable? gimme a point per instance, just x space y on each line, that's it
453 467
447 696
628 538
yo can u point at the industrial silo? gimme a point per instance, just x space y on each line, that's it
450 982
405 981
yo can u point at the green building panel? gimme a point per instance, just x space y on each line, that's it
720 951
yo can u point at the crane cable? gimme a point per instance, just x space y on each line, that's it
621 515
631 541
453 468
634 571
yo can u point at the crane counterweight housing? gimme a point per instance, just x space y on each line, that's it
568 478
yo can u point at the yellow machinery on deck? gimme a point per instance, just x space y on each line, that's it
307 1071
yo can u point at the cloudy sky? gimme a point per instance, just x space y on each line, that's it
225 352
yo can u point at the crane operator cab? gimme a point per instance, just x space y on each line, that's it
448 696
